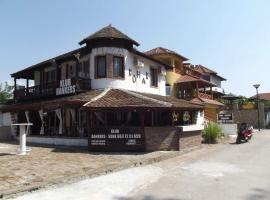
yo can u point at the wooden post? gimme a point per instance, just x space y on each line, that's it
197 89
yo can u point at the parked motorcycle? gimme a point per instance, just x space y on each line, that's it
244 134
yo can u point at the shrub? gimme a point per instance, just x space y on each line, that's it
211 133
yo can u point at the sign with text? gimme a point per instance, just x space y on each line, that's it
225 118
116 139
65 87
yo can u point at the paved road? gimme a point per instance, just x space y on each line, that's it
231 172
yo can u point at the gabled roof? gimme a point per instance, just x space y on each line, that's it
108 32
162 50
205 70
263 96
189 78
207 101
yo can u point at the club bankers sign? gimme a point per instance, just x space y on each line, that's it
65 88
116 139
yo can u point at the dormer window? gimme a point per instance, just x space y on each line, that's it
100 67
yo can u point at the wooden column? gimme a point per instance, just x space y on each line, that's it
197 89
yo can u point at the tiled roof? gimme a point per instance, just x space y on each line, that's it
207 101
162 50
204 70
189 78
109 98
117 98
108 32
264 96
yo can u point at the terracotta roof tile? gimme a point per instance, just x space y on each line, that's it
115 98
162 50
207 101
189 78
264 96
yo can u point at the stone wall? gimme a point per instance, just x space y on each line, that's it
162 138
249 116
190 139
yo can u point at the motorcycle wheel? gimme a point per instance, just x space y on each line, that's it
238 140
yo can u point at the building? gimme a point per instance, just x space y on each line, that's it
193 83
105 95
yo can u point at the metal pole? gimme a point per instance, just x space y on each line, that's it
258 110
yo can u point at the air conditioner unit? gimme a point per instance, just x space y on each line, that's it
138 63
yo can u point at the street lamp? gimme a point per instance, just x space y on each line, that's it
257 86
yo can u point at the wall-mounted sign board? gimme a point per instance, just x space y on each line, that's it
116 139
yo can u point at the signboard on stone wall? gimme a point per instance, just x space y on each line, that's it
116 139
225 118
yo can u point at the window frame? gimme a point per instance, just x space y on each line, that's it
96 66
123 67
155 70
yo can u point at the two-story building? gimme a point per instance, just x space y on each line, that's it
105 95
193 83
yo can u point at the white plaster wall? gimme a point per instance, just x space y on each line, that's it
216 80
127 83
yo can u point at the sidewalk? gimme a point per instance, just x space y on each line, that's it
47 166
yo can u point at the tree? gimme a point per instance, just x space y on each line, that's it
6 92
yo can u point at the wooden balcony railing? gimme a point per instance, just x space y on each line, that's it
205 96
49 89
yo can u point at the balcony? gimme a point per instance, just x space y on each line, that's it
53 89
205 96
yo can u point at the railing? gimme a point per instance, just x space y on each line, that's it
49 89
205 96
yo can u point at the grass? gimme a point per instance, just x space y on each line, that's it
211 133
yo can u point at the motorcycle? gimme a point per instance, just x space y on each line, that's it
244 134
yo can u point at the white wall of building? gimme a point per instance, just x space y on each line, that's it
127 83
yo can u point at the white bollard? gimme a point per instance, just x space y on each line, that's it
22 150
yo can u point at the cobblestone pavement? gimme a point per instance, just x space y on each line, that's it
47 166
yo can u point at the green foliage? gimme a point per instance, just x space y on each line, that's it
211 133
6 92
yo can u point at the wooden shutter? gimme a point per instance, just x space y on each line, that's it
109 62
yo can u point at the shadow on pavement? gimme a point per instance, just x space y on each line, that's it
258 194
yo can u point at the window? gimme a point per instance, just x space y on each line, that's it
168 90
118 66
83 69
154 77
100 69
50 76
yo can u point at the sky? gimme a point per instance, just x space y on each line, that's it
231 37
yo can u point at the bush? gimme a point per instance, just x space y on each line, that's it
211 133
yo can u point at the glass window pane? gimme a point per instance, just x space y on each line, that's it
101 66
118 68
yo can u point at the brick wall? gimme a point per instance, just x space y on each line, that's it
190 139
162 138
